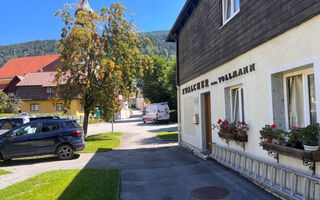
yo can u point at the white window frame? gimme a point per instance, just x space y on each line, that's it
238 89
305 87
32 107
225 20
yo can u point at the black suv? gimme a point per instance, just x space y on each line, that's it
61 137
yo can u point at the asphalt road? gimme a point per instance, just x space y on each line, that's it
150 169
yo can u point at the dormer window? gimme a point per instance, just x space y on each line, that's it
229 9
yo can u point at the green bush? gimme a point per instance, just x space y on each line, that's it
6 105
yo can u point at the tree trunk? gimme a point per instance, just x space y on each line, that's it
85 122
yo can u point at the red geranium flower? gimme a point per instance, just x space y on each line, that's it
227 122
226 126
248 129
273 126
243 123
227 132
294 128
219 121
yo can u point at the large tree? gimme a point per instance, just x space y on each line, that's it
100 55
158 83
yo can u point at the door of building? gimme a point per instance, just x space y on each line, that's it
208 121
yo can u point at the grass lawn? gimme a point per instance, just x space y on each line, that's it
102 142
2 172
94 121
8 114
66 184
168 135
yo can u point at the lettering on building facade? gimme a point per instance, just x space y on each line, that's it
205 83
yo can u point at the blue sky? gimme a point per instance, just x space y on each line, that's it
26 20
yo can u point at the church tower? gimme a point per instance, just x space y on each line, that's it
84 6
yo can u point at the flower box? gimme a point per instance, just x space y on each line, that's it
292 152
234 137
242 138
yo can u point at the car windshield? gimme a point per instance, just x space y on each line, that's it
7 124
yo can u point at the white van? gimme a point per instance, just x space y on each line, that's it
157 112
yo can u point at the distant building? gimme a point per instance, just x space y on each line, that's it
36 90
22 66
253 61
11 87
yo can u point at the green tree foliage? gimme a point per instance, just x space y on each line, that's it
45 47
101 58
158 84
6 105
34 48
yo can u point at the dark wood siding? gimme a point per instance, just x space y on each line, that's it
205 45
12 86
32 93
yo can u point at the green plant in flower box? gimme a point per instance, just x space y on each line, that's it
232 131
295 137
270 133
310 135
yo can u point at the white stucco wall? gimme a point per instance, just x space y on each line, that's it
297 47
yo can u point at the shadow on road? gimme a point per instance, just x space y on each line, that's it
159 173
155 141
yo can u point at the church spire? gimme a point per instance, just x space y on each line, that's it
84 6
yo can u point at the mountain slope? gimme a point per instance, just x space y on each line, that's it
27 49
45 47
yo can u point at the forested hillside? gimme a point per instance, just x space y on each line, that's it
44 47
34 48
160 47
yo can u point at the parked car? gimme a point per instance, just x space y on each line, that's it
8 123
42 137
157 112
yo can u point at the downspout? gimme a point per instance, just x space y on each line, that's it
179 92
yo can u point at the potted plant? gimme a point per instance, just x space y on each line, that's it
310 137
279 137
295 138
226 130
232 131
267 133
241 134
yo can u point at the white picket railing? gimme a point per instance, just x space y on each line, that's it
280 180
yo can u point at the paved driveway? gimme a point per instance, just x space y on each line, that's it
149 169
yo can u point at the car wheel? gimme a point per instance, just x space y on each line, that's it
65 152
144 121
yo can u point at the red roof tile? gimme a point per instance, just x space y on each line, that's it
21 66
44 79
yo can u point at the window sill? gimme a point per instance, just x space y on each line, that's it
226 22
